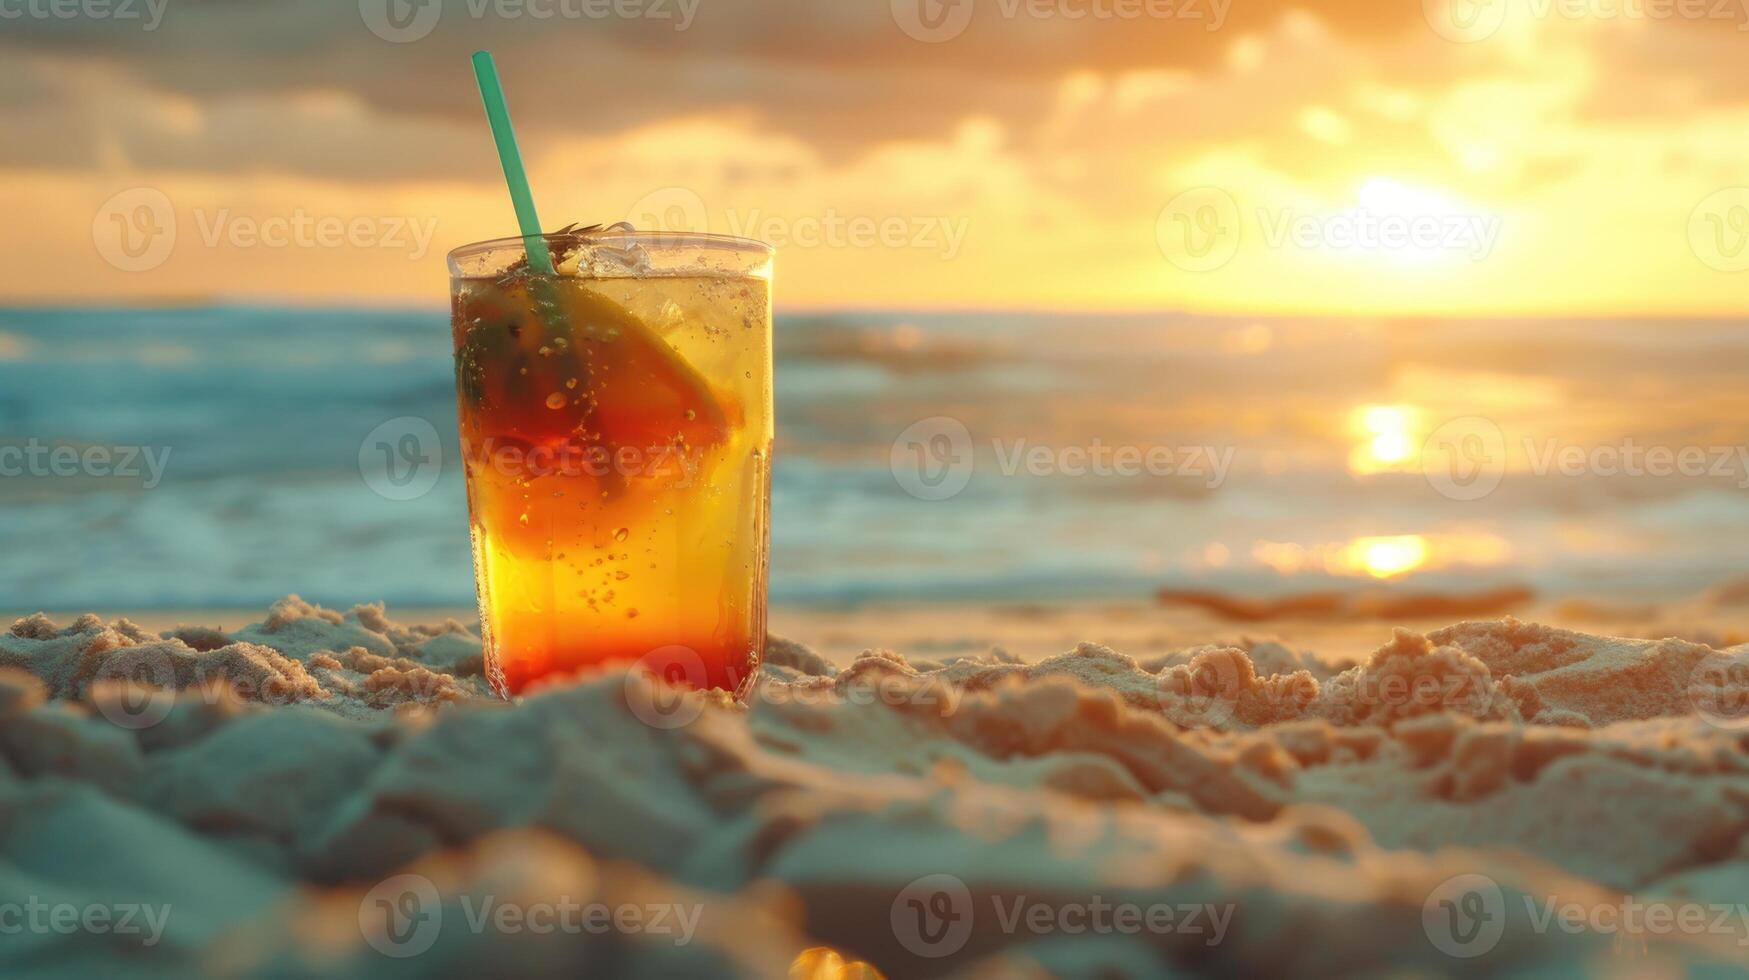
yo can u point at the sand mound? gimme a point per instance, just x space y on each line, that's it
334 794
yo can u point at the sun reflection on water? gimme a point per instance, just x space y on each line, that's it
1386 439
1387 556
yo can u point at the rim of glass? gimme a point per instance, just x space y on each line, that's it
667 239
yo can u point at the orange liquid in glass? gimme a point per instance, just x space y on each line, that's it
616 435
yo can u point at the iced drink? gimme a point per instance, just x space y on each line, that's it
616 432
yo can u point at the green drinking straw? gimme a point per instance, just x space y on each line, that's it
540 261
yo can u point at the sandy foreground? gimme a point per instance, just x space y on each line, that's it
321 793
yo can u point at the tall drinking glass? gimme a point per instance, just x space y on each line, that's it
616 428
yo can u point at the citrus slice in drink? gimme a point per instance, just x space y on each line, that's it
581 369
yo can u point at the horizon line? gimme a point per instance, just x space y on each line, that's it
345 303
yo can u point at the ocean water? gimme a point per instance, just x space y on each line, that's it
920 456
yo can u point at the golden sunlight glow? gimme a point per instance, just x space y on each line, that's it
1386 439
826 963
1385 556
1388 557
1389 197
1516 194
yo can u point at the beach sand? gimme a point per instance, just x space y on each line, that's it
924 791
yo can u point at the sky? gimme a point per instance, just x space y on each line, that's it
1510 157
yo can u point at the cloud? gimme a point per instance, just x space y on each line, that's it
1054 144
